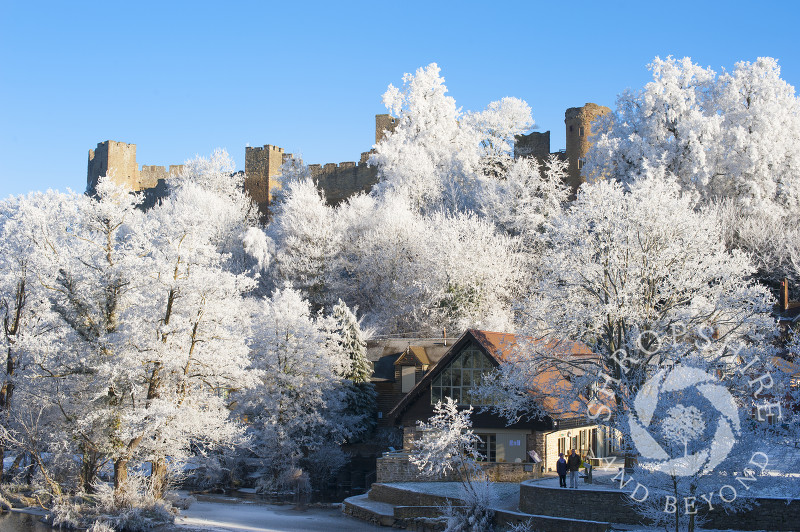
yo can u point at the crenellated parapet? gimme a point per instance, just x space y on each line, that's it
118 160
340 181
150 175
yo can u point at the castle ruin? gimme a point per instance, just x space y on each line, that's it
337 181
578 123
118 159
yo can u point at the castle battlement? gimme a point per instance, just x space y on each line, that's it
318 169
265 148
118 160
338 180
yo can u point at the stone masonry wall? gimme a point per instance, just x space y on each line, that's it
383 123
615 506
397 468
149 176
118 160
410 505
341 181
533 145
578 121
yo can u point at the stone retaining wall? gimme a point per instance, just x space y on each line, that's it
616 507
418 511
541 523
401 497
397 468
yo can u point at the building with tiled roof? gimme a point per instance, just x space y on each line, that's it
424 374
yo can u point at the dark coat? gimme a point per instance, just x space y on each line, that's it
561 467
574 462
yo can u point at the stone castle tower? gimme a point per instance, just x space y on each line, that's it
578 121
118 160
262 167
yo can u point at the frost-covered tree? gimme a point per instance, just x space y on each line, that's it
234 212
646 282
771 240
623 270
413 255
152 304
293 411
304 232
436 155
194 351
346 337
448 445
411 272
27 319
624 262
524 199
98 265
729 136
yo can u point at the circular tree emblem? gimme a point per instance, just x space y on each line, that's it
683 422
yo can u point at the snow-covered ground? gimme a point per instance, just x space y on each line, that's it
247 516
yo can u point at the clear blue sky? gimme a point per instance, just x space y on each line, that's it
182 78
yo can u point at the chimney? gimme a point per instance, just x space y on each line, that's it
784 297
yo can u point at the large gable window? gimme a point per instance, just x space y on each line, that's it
463 374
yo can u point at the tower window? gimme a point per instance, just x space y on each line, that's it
580 131
570 129
580 163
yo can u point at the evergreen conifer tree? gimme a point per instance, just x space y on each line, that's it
357 371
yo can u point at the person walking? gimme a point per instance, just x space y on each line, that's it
573 464
561 469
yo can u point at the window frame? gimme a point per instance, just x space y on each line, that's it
456 380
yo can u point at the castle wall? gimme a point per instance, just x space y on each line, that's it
533 145
118 160
341 181
338 181
149 176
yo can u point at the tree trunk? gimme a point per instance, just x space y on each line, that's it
120 480
89 466
158 477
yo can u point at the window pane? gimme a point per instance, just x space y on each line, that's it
466 378
436 394
456 395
